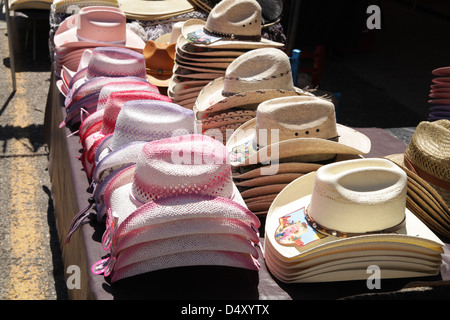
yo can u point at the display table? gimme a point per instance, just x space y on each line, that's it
70 194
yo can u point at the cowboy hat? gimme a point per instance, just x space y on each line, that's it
100 26
342 205
252 78
230 24
159 62
304 128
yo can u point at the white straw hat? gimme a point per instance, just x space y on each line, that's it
349 203
298 127
252 78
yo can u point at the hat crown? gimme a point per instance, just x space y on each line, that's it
295 117
189 164
115 62
429 149
259 69
102 25
236 17
359 196
149 120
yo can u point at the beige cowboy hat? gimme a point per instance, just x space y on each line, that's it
341 215
252 78
230 24
298 127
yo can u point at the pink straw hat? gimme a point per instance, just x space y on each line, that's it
95 119
97 26
107 62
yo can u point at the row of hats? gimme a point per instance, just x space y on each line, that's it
440 94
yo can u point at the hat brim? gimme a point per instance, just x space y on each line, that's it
248 172
196 25
292 201
186 47
353 265
119 200
212 100
239 145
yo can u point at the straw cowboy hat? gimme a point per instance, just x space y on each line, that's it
347 209
93 122
427 155
99 26
252 78
306 128
230 24
426 162
106 62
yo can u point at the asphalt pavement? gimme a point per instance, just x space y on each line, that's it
30 255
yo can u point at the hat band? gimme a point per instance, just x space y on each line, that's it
257 146
231 36
158 71
425 175
340 234
120 42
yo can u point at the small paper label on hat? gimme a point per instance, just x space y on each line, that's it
295 230
199 37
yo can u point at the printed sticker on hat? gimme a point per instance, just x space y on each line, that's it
199 37
295 230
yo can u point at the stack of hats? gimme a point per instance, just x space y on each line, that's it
92 26
155 10
205 49
229 101
177 206
73 6
426 161
440 95
289 137
344 222
105 65
138 122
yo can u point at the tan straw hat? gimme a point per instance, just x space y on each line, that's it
230 24
426 160
252 78
345 210
303 128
